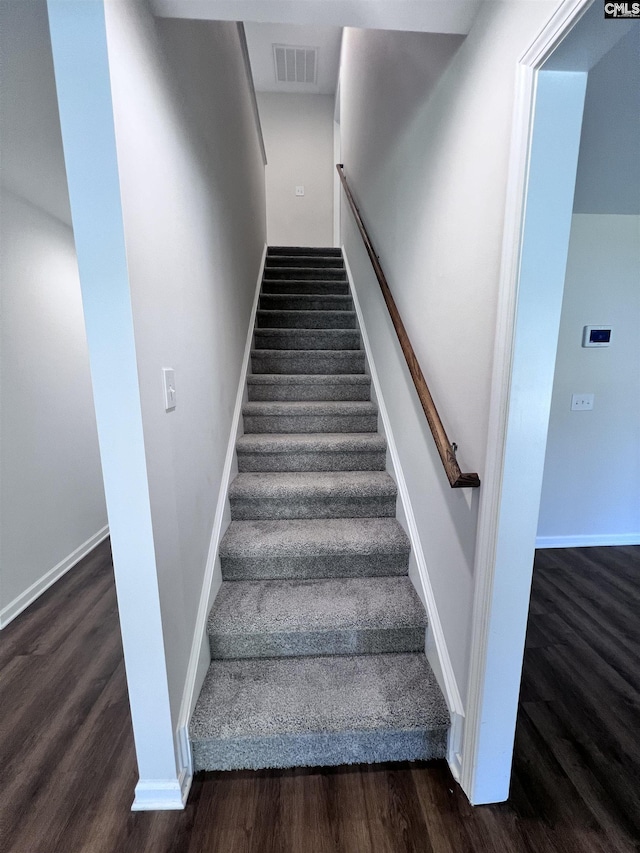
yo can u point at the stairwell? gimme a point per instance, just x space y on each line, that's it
317 635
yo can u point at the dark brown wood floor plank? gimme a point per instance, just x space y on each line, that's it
593 788
394 811
305 802
588 621
446 817
226 814
599 591
347 810
540 785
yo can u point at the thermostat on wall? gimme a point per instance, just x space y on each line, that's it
596 336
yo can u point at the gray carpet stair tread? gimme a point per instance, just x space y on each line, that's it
307 339
280 697
319 484
304 250
301 273
310 379
318 319
304 260
271 387
307 361
299 606
345 408
314 538
305 296
329 416
350 442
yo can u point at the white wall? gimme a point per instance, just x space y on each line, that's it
426 154
192 187
167 196
52 507
51 497
592 467
298 137
32 159
608 178
590 490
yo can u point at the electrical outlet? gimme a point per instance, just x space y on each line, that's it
581 402
299 190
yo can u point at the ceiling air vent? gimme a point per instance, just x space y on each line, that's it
295 64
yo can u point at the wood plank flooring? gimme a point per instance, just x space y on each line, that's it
67 766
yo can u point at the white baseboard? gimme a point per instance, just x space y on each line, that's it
435 647
199 657
587 541
162 794
22 601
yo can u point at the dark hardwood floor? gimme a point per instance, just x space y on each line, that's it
67 768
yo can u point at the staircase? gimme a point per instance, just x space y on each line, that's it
317 635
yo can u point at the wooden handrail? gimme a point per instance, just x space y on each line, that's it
447 451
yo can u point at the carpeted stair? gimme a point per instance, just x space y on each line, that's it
316 635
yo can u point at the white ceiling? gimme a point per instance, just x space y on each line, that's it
262 37
430 16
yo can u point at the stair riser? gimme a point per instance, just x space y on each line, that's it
314 750
316 261
310 423
307 339
299 393
308 506
275 251
314 567
309 362
305 302
306 319
296 644
304 274
264 462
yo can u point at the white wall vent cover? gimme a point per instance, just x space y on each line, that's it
295 64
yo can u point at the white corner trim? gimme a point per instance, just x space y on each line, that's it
552 33
161 794
195 675
252 88
588 540
487 535
563 18
454 745
22 601
442 666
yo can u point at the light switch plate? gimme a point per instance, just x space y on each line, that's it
299 190
581 402
169 385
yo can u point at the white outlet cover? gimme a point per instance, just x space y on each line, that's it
582 402
300 190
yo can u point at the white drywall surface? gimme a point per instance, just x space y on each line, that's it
426 154
590 490
32 160
167 197
51 495
298 137
608 178
192 184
